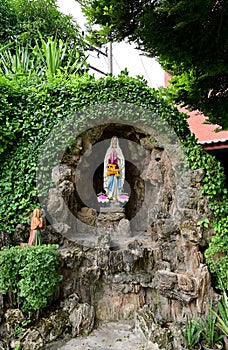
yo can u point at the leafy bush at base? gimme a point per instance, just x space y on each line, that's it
29 275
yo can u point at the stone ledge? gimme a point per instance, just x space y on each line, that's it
112 210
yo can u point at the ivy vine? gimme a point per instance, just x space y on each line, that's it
213 187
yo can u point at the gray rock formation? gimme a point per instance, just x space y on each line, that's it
152 331
71 319
143 263
81 316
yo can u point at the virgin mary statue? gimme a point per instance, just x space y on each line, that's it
114 170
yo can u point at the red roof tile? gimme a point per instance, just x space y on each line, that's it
204 132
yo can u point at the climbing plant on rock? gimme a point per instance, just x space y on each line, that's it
30 109
214 188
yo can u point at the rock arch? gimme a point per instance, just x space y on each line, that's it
160 264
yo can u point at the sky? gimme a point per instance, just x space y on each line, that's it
124 54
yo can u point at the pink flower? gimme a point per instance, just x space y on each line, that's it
123 196
102 196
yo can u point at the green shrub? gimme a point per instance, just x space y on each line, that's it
29 275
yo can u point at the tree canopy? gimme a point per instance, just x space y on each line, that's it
189 38
36 38
23 21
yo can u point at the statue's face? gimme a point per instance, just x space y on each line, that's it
114 142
